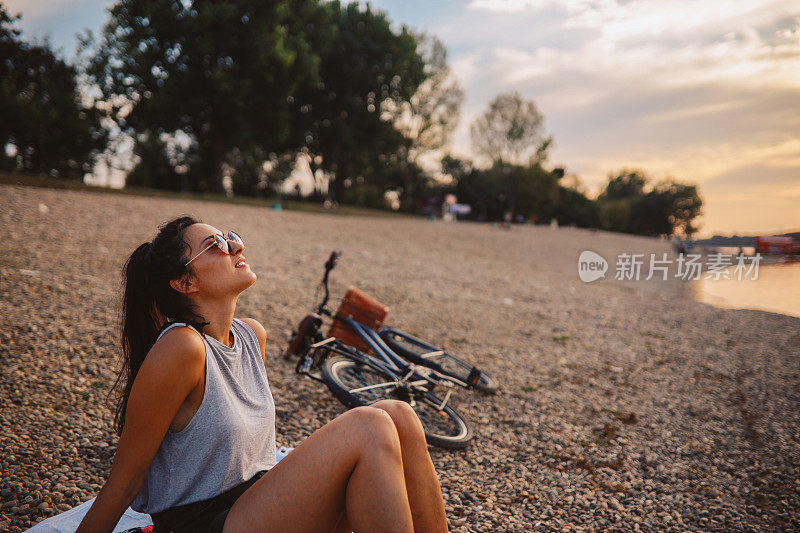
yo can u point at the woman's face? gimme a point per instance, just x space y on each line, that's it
215 273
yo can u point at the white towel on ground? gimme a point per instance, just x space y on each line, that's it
68 521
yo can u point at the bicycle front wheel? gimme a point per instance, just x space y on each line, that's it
356 384
422 353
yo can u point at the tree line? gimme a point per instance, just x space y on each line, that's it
224 97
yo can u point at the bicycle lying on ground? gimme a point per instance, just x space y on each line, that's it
362 362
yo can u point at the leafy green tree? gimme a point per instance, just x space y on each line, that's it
510 134
627 183
249 178
219 71
537 190
615 214
364 65
154 168
669 208
428 119
511 130
42 116
630 204
479 188
573 207
472 186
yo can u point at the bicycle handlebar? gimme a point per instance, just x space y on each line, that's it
330 264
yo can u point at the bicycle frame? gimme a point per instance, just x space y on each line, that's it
413 378
388 360
385 358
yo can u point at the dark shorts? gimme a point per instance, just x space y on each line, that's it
206 516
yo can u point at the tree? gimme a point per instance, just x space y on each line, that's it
428 119
154 168
573 207
628 183
680 205
219 71
43 121
537 191
629 204
510 134
364 65
615 215
512 131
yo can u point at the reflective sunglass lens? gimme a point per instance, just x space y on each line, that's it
222 243
235 237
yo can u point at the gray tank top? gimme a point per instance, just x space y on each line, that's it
229 439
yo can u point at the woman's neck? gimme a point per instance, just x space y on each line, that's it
220 317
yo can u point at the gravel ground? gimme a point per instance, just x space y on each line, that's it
624 406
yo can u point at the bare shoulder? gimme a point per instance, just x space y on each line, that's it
180 348
261 334
259 330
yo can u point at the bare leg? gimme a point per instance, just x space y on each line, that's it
344 525
352 464
424 491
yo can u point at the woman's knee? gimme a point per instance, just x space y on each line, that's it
405 419
371 427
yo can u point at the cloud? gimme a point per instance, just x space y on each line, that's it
743 58
705 90
465 68
506 6
642 78
625 19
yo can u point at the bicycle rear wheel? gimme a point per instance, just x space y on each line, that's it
422 353
356 384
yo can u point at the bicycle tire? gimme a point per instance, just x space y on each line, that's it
449 364
444 428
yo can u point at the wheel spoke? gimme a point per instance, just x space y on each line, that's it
437 421
364 385
375 386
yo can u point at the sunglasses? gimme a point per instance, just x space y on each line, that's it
221 243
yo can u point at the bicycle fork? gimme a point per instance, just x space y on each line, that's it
422 384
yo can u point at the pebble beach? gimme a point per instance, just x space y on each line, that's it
624 406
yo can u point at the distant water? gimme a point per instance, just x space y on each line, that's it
777 289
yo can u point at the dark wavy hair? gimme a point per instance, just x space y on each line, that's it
150 303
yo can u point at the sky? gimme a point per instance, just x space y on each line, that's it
705 91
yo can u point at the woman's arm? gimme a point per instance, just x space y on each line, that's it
170 372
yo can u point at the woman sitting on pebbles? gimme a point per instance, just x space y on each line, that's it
196 417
